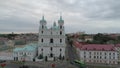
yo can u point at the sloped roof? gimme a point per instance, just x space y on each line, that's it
29 47
55 27
98 47
95 47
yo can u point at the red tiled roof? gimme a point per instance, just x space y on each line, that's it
95 47
98 47
117 45
77 44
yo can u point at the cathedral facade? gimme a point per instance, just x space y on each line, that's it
51 44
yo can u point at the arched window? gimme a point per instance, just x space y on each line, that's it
51 54
42 40
51 48
60 32
42 32
42 26
60 40
60 27
42 49
51 40
60 49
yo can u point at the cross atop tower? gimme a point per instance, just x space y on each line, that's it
60 16
43 17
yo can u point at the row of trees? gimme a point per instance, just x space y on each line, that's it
104 39
97 39
9 36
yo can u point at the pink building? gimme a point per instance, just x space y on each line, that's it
97 53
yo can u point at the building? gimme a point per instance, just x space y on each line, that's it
27 53
117 46
6 55
88 38
97 53
51 44
10 43
52 40
3 40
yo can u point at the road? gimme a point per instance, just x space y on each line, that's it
58 64
72 55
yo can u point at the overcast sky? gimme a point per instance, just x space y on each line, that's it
91 16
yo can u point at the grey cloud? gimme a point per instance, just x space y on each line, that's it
93 9
79 14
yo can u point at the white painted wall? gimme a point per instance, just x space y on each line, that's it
6 56
55 51
111 56
51 34
29 55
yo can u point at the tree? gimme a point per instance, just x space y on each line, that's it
101 38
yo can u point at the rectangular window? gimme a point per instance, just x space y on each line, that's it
105 53
94 56
110 57
105 57
94 53
113 57
109 53
90 56
84 56
97 53
84 52
100 57
90 53
113 53
97 57
100 53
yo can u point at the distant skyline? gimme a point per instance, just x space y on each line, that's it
91 16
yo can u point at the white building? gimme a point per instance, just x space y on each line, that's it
5 55
97 53
117 46
27 53
51 40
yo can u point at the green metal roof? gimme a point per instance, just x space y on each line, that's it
43 20
60 20
29 47
55 27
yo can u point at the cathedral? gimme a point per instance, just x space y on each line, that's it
51 44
